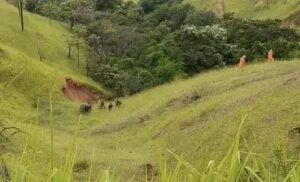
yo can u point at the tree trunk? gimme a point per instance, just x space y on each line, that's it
71 22
69 50
40 54
77 55
20 10
22 18
87 67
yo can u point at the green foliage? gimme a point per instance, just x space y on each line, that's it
172 14
71 11
257 37
75 11
203 47
49 9
150 5
200 18
236 165
31 5
253 9
196 117
159 40
104 5
170 39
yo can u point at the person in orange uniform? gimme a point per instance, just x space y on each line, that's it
242 62
270 56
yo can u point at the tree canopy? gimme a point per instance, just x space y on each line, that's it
134 46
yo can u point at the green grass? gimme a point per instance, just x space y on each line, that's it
276 9
195 120
20 58
235 166
204 129
23 76
25 79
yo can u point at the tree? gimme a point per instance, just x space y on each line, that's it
48 9
149 5
36 6
31 5
104 5
200 18
201 47
20 10
78 39
69 42
74 10
135 46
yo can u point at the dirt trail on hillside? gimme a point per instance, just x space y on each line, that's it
77 92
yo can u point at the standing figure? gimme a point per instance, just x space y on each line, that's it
102 104
270 56
118 103
242 62
110 106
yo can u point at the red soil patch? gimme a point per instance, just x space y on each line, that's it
75 91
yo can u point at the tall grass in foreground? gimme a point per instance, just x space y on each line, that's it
235 166
23 169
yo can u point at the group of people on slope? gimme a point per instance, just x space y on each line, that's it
102 104
242 64
87 107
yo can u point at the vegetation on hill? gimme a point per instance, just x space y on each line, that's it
293 20
135 46
198 118
33 63
255 9
42 49
185 130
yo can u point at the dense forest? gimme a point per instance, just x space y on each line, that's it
133 46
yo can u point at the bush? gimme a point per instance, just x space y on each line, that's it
80 166
31 5
142 45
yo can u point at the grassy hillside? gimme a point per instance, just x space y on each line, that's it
260 9
23 75
198 117
25 79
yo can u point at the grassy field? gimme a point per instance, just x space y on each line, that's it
198 118
272 9
25 77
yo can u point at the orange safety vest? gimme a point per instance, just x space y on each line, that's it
270 57
242 62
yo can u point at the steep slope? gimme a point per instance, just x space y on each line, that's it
34 62
259 9
197 117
